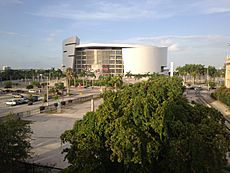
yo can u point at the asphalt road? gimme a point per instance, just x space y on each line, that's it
47 129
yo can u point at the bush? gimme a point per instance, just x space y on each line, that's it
42 108
56 104
222 94
8 84
15 141
29 87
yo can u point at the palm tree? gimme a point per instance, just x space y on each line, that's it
69 76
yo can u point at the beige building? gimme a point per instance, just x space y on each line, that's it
227 74
115 59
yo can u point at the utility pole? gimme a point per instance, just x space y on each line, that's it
47 94
208 78
171 69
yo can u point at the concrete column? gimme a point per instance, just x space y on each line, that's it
92 105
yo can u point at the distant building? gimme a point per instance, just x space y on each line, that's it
227 73
5 68
115 59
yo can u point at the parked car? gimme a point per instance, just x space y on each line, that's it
16 95
12 102
30 103
23 100
32 91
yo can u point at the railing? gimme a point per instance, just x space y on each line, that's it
25 167
54 106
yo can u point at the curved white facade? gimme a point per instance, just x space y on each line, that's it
117 59
144 59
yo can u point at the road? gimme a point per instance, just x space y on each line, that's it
47 129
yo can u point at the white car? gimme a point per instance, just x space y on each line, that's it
12 102
32 91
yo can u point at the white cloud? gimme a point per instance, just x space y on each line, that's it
218 10
8 33
135 9
5 2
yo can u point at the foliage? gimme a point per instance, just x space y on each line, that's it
69 76
148 127
222 94
8 84
193 70
29 87
11 74
57 89
14 144
212 84
36 84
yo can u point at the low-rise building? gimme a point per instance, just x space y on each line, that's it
227 73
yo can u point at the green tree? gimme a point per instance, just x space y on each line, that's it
15 141
36 84
148 127
69 77
8 84
29 87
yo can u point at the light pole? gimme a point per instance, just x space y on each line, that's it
208 78
47 94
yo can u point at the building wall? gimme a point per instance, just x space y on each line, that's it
227 73
69 46
116 59
144 59
104 60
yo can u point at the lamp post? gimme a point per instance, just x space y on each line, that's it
47 94
208 78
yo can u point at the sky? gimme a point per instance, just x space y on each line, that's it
195 31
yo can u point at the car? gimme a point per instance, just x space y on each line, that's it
12 102
23 100
30 103
32 91
16 95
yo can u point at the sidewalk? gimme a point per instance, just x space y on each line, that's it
224 109
47 129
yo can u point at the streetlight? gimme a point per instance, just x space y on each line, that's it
47 97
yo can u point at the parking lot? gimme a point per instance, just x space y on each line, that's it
5 109
47 129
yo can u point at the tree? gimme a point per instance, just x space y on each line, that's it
8 84
148 127
36 84
69 77
15 141
29 87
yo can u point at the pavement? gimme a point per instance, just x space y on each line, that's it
47 129
210 102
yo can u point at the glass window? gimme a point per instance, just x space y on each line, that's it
112 70
119 52
111 61
119 57
119 70
118 61
119 66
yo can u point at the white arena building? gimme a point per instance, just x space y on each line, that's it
115 59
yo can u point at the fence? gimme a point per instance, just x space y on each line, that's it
54 106
24 167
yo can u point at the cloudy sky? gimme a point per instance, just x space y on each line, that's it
32 31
